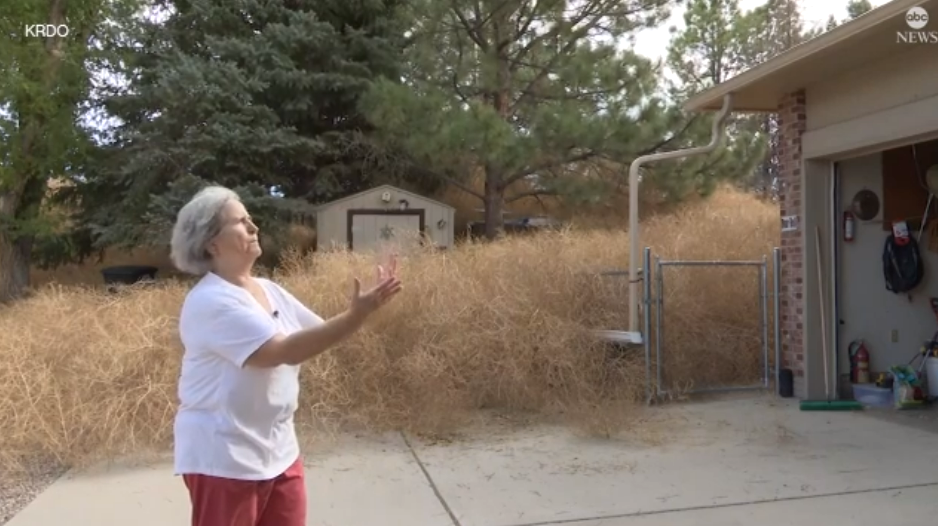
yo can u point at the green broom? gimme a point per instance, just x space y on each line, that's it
825 405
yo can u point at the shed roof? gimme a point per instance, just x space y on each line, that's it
868 37
382 187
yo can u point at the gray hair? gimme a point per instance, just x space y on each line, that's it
196 224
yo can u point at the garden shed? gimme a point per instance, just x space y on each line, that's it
383 216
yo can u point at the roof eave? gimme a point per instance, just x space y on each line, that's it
711 99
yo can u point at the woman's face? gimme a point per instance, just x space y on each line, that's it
237 239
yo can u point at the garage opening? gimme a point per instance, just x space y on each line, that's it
875 193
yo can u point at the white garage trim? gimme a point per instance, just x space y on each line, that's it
882 130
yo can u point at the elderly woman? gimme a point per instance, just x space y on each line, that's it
245 338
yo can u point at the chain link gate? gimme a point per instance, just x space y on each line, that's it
652 305
662 351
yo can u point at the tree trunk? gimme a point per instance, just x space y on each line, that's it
501 99
494 221
14 262
18 203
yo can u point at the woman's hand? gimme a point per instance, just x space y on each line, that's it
388 285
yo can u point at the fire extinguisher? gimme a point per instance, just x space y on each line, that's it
859 362
849 225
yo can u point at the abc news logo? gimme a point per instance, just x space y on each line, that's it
917 18
47 30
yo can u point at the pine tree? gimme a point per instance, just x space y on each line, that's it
855 8
255 94
713 47
525 92
775 27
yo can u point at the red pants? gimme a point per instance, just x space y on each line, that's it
280 501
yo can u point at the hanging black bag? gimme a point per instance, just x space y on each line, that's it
902 265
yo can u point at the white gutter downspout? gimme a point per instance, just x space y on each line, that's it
634 237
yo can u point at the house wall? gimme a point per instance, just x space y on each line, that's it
791 312
332 221
805 279
886 103
868 310
877 86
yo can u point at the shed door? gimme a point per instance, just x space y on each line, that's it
380 232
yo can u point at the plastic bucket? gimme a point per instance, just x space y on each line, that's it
870 395
931 374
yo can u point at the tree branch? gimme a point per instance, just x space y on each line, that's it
576 95
531 193
455 77
525 26
520 174
455 182
551 65
673 138
554 32
471 29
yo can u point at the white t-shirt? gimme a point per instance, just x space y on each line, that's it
236 421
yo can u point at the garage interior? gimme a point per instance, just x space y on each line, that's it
874 192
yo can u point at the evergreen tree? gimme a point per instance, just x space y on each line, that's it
856 8
244 93
43 88
526 93
714 47
775 27
781 27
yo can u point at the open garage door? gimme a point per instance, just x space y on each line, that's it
383 230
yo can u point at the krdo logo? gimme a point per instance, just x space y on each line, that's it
916 17
47 30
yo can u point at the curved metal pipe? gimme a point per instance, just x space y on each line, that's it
634 237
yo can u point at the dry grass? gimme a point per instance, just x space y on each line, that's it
501 326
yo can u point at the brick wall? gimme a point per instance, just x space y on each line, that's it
792 125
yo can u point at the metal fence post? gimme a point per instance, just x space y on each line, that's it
776 285
646 321
764 322
659 314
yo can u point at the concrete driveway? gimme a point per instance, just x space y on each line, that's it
752 461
